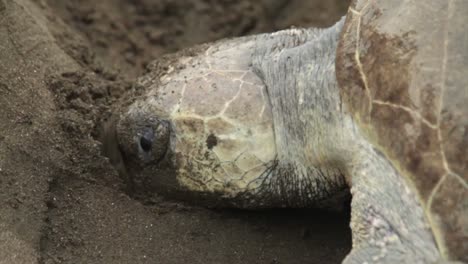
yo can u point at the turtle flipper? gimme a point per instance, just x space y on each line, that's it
387 220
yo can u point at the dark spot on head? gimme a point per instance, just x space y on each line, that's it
211 141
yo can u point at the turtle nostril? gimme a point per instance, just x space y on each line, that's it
146 143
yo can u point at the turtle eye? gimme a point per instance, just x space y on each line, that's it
146 140
142 140
153 140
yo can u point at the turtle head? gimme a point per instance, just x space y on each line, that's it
212 130
199 134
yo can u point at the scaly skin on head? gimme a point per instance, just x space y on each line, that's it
221 137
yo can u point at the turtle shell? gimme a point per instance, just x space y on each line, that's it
402 68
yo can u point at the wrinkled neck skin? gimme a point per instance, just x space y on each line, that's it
321 150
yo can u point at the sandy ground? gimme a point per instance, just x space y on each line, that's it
62 66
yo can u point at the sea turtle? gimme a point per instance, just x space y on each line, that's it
375 104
